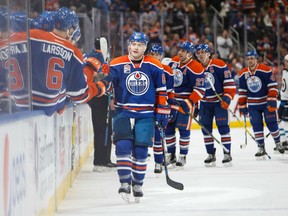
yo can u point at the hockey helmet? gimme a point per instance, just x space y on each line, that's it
285 58
139 37
65 18
18 21
46 20
155 48
188 46
204 47
252 53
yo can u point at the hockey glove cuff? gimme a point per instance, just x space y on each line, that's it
272 104
226 100
243 110
161 117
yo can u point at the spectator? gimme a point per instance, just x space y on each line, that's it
225 44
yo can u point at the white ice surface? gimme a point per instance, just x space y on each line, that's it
250 187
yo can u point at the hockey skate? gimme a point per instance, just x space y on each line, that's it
171 160
227 160
261 153
280 148
210 161
137 192
285 145
158 168
181 160
125 191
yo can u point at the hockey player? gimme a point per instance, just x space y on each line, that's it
140 99
211 106
57 67
283 108
258 92
101 116
156 51
189 81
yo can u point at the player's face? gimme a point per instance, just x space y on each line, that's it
251 61
184 56
136 50
202 56
156 55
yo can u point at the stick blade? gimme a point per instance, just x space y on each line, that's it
174 184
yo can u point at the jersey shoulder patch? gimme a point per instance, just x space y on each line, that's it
153 61
196 67
218 62
244 70
264 68
119 60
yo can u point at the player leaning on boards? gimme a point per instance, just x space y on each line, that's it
53 56
258 92
218 75
140 99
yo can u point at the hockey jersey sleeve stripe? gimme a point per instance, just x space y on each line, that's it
161 98
196 95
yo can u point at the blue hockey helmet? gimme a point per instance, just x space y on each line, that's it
186 45
204 47
139 37
252 53
155 48
18 21
65 18
46 20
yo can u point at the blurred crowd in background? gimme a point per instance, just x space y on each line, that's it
261 24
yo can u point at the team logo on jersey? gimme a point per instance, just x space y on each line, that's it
137 83
127 69
178 77
254 84
209 76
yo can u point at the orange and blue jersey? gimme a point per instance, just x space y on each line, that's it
139 87
189 80
169 76
57 72
220 76
14 61
256 86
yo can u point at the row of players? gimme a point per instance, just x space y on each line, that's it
208 84
147 92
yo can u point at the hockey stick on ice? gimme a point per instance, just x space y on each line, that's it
210 134
245 125
170 182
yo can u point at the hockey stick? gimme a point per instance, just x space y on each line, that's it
210 134
107 119
267 135
234 115
170 182
73 137
245 125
